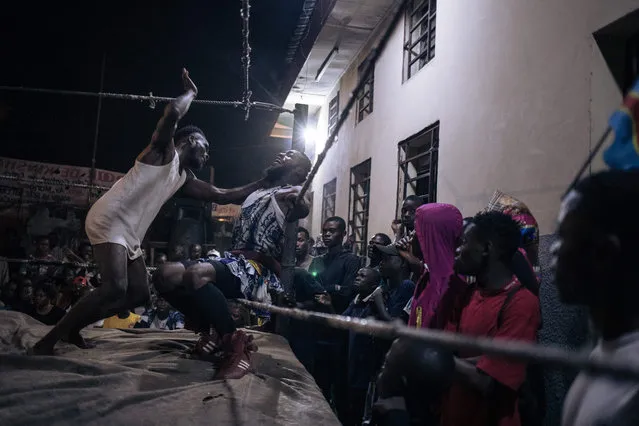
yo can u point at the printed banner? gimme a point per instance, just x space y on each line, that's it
55 187
225 211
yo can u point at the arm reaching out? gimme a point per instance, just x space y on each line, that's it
162 148
286 198
200 190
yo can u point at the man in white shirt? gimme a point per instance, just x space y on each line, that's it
118 221
595 261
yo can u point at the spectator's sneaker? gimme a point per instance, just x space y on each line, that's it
237 348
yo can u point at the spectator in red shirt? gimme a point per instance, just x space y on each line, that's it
497 306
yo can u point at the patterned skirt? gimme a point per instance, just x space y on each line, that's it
257 282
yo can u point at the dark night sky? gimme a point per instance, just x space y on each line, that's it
57 46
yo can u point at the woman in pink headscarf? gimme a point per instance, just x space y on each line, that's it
438 228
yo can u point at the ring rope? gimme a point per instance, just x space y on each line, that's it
37 181
529 352
59 263
151 98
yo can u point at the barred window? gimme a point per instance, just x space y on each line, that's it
328 200
333 114
359 203
419 35
417 159
365 100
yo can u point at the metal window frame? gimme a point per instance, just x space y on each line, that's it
360 178
333 113
425 42
365 100
329 194
404 177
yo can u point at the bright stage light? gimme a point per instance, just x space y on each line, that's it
310 135
314 139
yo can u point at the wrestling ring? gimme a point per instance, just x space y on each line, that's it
143 368
533 353
514 350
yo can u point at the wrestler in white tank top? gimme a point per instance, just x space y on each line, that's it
124 213
599 400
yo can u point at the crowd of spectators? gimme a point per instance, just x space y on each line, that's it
56 277
476 276
436 270
392 283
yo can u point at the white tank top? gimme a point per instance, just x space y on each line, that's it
600 400
124 213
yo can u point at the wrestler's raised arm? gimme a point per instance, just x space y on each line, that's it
200 190
162 148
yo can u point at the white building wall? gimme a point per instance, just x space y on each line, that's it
521 92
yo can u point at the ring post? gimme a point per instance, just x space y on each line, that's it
300 119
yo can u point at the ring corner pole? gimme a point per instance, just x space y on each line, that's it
300 121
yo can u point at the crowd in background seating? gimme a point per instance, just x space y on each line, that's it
482 278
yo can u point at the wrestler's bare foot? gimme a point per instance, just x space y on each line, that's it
45 345
42 347
75 338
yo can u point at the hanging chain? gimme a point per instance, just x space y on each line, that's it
245 13
245 103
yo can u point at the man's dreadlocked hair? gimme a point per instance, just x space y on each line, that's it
184 132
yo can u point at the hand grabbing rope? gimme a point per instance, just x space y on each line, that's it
510 349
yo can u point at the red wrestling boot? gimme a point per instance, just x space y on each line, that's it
208 347
236 362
